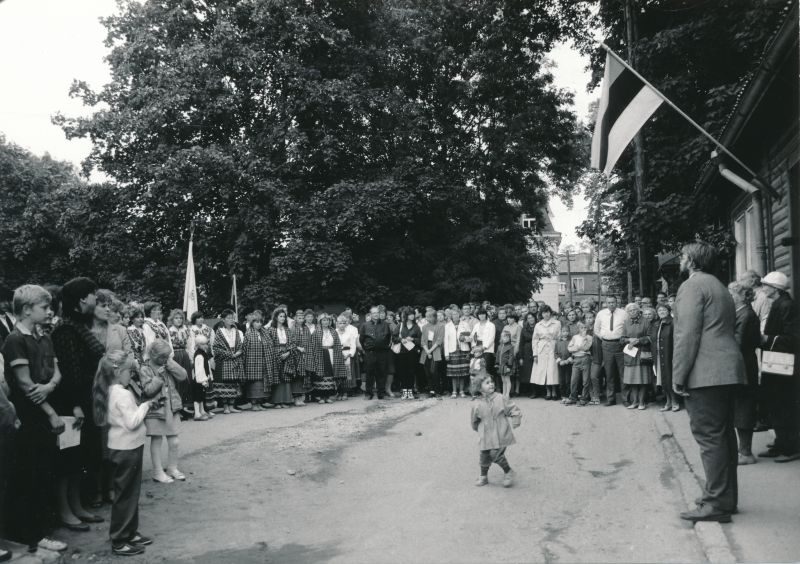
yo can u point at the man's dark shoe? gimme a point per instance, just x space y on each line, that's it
127 549
141 540
706 513
610 403
368 396
788 457
769 453
5 555
699 501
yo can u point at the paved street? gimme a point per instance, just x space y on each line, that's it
392 482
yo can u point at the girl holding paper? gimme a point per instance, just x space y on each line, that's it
638 374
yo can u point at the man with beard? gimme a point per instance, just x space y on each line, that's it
707 369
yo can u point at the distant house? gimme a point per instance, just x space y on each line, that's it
581 276
549 290
763 131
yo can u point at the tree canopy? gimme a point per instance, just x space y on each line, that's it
327 150
699 55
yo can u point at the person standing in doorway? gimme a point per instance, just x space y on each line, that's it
707 370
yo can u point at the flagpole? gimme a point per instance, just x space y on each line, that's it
696 125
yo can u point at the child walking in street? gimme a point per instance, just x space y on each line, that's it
493 417
115 405
477 370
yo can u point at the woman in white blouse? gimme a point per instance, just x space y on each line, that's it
349 340
284 359
545 367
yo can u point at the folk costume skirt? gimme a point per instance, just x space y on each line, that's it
327 385
458 365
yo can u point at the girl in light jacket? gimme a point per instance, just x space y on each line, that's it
431 354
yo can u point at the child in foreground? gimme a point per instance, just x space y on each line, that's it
115 405
490 418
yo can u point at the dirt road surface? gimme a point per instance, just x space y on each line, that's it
392 481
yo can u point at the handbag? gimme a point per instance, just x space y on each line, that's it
777 363
398 346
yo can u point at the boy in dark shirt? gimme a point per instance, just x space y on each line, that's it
32 375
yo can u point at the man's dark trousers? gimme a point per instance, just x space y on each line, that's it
711 419
614 366
376 361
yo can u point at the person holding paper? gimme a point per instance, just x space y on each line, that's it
431 355
638 372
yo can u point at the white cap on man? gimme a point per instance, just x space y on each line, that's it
777 280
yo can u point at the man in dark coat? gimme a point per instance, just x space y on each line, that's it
707 368
375 336
781 334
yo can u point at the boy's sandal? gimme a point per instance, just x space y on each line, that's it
176 474
165 479
52 544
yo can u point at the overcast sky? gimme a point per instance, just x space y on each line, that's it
45 44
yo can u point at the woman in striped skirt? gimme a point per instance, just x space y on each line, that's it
256 360
229 372
284 359
333 371
456 350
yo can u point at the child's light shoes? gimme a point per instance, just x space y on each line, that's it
482 481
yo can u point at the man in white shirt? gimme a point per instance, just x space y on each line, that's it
608 326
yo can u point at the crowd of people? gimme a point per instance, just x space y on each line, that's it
117 373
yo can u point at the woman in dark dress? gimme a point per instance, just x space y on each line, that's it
661 343
78 352
284 361
526 353
748 335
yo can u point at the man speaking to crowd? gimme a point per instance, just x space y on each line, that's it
707 367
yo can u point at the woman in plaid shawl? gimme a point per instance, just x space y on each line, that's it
309 343
228 360
257 358
284 358
334 372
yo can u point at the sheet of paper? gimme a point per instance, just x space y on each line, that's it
70 437
630 350
409 345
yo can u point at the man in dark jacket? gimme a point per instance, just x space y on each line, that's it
707 368
781 334
375 336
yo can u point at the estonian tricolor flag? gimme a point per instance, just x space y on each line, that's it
625 104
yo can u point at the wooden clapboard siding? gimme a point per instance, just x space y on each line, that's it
782 156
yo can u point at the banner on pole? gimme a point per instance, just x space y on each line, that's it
190 287
626 103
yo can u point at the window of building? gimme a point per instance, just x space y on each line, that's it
528 222
744 226
562 288
577 284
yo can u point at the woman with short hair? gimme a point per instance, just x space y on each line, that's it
545 368
748 335
638 358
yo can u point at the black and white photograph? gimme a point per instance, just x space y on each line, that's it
399 281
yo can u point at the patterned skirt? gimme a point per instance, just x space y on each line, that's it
327 385
226 390
458 365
